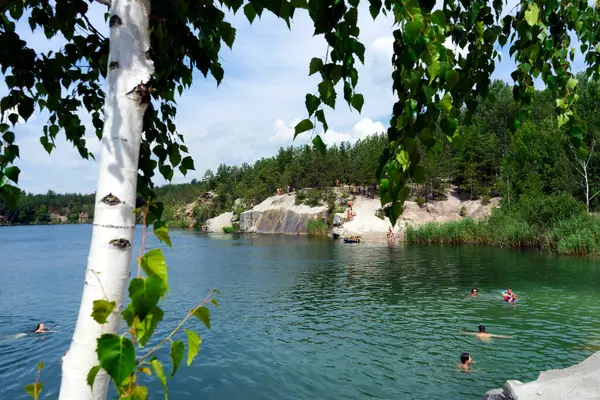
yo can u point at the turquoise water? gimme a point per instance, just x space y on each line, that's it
314 319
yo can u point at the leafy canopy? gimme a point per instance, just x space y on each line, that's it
433 83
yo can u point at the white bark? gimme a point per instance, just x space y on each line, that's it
583 171
107 272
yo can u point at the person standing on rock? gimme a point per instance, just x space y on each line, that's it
390 233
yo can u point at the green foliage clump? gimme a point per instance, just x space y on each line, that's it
380 213
314 197
317 227
463 211
229 229
556 223
300 197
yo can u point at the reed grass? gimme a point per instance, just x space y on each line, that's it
553 223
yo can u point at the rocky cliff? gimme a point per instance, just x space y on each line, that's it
279 214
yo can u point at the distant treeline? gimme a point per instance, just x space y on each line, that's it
487 160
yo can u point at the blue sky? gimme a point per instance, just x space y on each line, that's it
250 115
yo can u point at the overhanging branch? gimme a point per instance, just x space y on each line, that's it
105 2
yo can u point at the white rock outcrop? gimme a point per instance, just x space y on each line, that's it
581 382
280 214
216 224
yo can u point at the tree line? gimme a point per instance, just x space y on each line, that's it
485 161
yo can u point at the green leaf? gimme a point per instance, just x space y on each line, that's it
419 174
446 103
137 393
203 314
26 107
312 103
316 65
319 145
532 14
413 28
34 389
162 233
449 126
403 158
439 18
571 83
10 194
188 163
13 118
154 263
452 77
144 329
562 119
12 173
320 114
144 294
102 309
194 342
40 366
327 93
433 69
358 101
177 349
91 376
160 374
117 356
303 126
227 33
250 12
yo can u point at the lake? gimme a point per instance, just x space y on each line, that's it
315 319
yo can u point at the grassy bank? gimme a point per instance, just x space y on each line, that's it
557 224
317 227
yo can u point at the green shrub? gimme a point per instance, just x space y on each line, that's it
314 197
229 229
420 201
380 213
463 211
317 227
300 197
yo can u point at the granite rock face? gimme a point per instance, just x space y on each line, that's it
280 214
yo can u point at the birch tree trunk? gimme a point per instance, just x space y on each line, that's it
109 259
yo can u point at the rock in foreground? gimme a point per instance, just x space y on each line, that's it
581 382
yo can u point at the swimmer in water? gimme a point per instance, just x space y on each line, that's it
474 292
513 298
506 295
483 335
465 360
41 328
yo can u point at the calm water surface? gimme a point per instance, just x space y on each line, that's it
314 319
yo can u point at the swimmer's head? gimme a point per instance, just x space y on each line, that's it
39 327
481 328
474 291
465 358
509 291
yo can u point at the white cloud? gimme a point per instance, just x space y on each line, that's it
283 132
